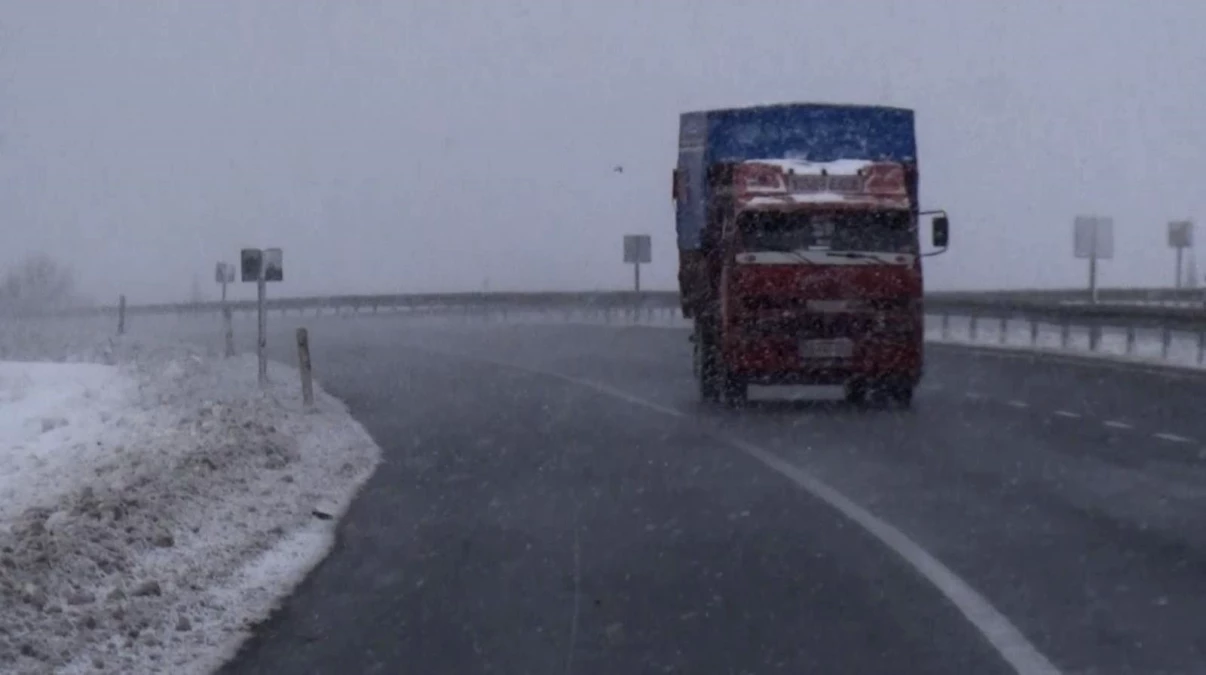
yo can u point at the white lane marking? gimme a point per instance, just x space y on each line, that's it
1115 424
1067 413
972 396
1017 404
1173 438
1008 641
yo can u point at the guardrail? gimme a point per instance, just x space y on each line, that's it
386 302
1175 336
1155 304
1120 324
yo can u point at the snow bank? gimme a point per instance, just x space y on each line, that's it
59 423
152 512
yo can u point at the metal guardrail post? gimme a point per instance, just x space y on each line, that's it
971 329
1130 340
1034 332
1094 337
946 326
1065 334
1165 342
1004 330
1201 346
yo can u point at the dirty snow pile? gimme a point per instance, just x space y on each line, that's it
154 510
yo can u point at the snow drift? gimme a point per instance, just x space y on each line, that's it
153 511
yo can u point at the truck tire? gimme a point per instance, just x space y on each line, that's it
856 392
736 390
710 376
901 393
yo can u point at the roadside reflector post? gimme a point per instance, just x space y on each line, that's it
224 274
121 315
303 364
228 321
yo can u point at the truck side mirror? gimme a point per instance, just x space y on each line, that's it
942 232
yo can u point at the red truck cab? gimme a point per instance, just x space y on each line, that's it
799 248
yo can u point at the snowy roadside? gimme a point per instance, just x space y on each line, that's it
152 511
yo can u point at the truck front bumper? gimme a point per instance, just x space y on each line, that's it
781 361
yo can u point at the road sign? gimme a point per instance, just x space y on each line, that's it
262 267
224 273
638 248
1180 234
1093 237
251 262
274 269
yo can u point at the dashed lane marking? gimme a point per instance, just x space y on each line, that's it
1172 438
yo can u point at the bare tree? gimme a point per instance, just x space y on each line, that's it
38 283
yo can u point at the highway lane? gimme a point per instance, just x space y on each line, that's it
1084 534
524 524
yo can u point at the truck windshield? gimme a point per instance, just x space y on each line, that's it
879 231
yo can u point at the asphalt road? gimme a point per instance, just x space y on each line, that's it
526 523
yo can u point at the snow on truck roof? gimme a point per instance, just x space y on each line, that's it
842 167
802 104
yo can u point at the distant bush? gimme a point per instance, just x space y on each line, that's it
38 284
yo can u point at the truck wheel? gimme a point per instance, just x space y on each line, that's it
895 392
901 394
710 380
736 390
856 392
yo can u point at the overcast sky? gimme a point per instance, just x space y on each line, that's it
432 145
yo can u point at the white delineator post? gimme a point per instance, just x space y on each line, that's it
224 274
229 322
121 315
303 365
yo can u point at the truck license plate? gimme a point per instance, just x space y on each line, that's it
826 349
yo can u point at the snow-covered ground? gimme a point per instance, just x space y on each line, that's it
153 510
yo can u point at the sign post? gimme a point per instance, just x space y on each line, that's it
262 266
1093 239
637 249
1180 237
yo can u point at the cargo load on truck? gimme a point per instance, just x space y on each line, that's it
799 254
